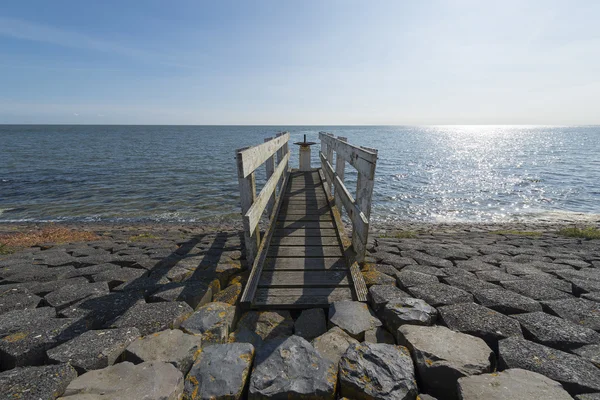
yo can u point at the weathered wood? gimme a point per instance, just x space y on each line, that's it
305 241
254 157
305 264
305 232
300 298
270 168
361 159
247 186
304 251
253 215
305 225
280 154
290 209
296 279
359 283
340 166
304 217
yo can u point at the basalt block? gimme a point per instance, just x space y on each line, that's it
353 317
34 383
153 317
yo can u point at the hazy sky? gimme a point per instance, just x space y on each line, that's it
300 62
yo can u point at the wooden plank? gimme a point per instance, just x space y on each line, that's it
307 264
294 210
340 166
306 196
247 186
304 251
359 283
270 168
280 154
305 232
300 298
255 156
361 159
304 218
297 279
255 212
305 241
305 225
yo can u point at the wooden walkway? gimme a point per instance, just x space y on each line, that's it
305 264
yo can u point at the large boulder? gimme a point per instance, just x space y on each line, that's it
353 317
407 311
291 368
311 323
170 346
574 373
94 349
510 384
221 372
34 383
377 371
442 356
333 344
439 294
267 324
212 322
380 295
194 293
127 381
154 317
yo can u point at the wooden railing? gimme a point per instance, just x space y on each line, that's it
253 206
364 160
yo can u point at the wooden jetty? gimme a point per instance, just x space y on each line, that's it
304 259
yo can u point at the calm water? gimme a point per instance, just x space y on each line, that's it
187 173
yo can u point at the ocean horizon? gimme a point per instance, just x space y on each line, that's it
186 173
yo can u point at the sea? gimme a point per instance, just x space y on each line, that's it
437 174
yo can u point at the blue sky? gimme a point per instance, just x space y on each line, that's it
300 62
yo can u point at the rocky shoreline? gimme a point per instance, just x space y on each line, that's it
455 311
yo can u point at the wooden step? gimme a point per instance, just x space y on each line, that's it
299 298
304 218
304 225
305 232
304 251
301 279
303 210
308 264
305 241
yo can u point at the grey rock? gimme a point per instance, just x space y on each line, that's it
16 320
245 335
144 285
475 265
520 269
385 269
550 280
588 396
98 311
379 335
116 277
267 324
396 260
595 296
426 259
353 317
573 263
480 321
291 368
510 384
581 286
195 294
36 383
211 322
43 274
380 295
579 311
94 349
590 353
506 301
127 381
333 344
495 276
406 279
70 294
96 269
170 346
377 371
575 374
43 288
442 356
408 311
468 283
221 372
535 290
311 323
153 317
439 294
423 269
17 299
555 332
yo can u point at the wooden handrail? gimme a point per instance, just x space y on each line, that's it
364 160
253 206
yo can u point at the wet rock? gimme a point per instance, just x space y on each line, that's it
377 371
575 374
333 344
17 299
535 290
311 323
590 353
127 381
442 356
468 283
479 321
510 384
291 368
406 279
36 383
407 311
94 349
70 294
506 301
555 332
153 317
268 324
195 294
353 317
439 294
579 311
221 372
169 346
380 295
230 294
211 322
379 335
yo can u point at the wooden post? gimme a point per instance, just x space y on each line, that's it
340 165
270 167
280 155
247 197
330 160
364 195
